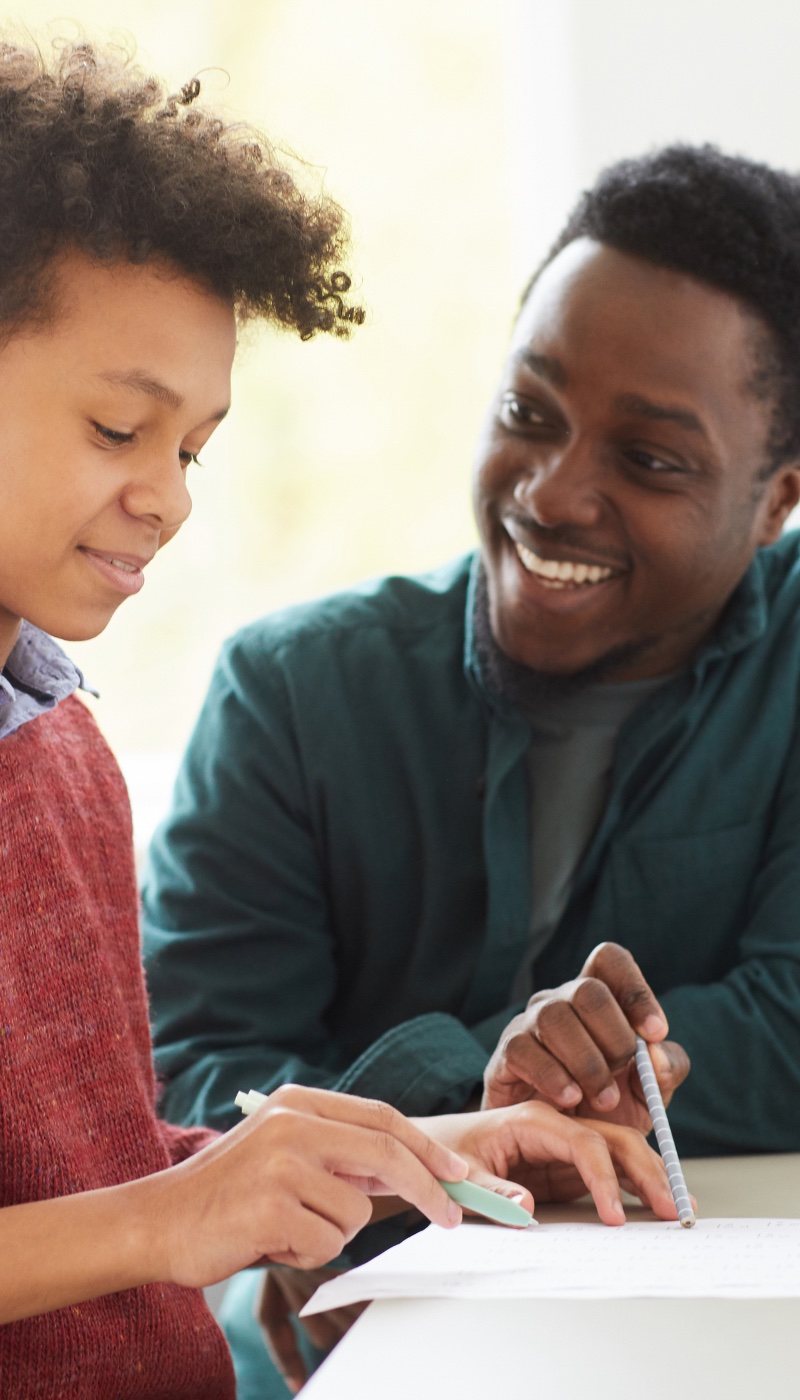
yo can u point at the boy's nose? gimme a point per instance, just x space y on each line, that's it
160 494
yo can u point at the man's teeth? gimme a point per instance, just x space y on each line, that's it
558 572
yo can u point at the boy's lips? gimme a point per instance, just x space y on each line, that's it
123 571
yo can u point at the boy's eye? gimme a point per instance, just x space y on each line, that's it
110 434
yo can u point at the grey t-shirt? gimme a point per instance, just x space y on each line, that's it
569 771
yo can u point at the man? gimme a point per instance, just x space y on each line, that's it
409 811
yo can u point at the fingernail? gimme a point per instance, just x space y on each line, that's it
517 1196
661 1060
570 1095
618 1210
453 1213
654 1026
609 1098
459 1166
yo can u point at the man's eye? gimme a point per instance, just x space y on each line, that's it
516 412
111 435
650 463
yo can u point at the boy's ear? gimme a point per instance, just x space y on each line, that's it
780 498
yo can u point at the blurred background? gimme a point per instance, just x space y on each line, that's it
457 133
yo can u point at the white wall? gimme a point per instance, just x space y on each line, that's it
592 81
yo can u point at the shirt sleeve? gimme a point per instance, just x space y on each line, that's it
743 1032
240 956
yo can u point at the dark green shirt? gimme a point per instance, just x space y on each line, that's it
342 897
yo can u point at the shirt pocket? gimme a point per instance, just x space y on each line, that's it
681 901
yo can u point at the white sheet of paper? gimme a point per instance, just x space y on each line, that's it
716 1259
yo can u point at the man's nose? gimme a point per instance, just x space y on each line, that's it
562 489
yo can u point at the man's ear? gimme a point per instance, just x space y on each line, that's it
781 496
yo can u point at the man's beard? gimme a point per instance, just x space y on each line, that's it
527 689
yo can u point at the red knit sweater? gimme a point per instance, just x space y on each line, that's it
77 1090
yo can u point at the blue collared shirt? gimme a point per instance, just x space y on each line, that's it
35 677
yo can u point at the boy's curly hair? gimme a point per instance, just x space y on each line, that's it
730 222
96 155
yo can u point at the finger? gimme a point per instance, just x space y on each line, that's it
377 1117
604 1021
310 1240
541 1134
592 1159
622 975
388 1166
317 1214
671 1064
275 1318
526 1060
510 1189
641 1167
338 1201
562 1032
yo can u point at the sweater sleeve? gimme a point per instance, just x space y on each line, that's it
743 1031
185 1142
241 958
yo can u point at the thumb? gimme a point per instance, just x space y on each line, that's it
671 1064
510 1189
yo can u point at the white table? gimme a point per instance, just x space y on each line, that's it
614 1349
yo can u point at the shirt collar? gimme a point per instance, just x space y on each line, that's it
36 676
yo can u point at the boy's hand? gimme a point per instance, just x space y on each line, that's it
532 1152
291 1184
573 1046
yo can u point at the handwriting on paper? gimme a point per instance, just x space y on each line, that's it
717 1259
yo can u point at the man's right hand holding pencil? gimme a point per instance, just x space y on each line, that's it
573 1046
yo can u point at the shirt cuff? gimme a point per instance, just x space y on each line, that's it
429 1065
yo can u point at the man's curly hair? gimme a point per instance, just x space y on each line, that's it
729 222
96 155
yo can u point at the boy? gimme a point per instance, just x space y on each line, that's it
135 235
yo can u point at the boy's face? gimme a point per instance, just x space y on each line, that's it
101 412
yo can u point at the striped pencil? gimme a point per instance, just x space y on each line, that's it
663 1132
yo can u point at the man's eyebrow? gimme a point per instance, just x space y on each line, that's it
143 383
659 412
547 368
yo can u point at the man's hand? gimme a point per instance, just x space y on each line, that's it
573 1046
283 1293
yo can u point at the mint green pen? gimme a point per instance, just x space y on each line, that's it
464 1193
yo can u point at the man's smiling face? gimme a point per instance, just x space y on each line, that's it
616 484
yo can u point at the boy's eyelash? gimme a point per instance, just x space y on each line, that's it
112 436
